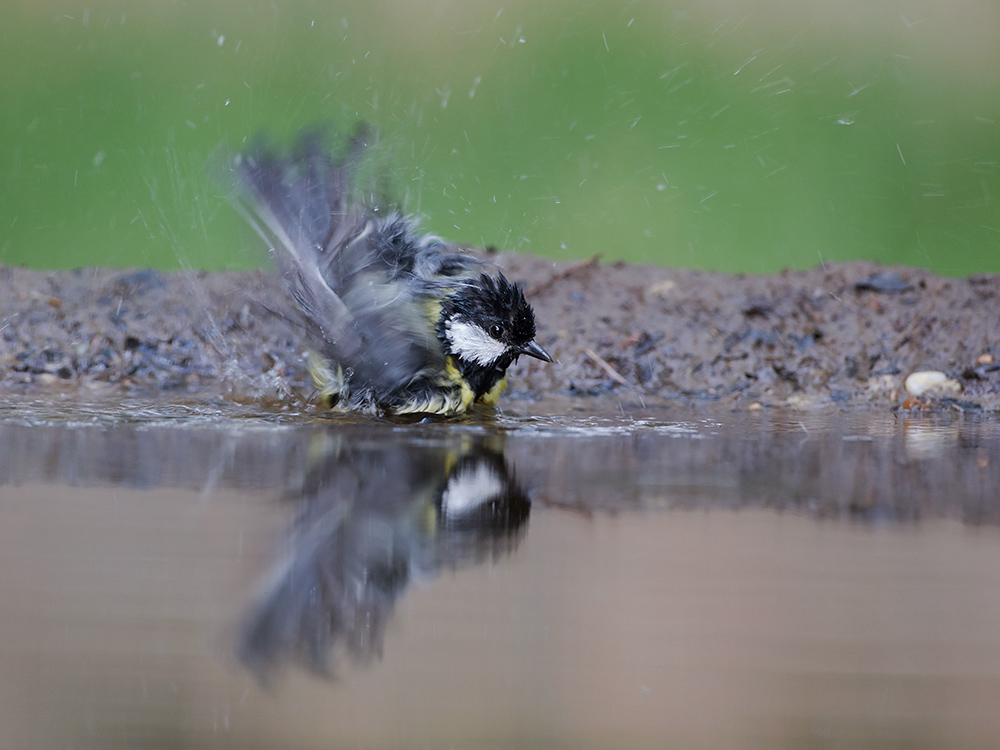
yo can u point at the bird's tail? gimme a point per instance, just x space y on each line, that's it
300 204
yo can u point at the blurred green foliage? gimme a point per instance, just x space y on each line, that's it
738 136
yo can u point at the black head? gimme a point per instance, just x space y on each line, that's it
489 323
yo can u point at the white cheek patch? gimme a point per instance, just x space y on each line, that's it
471 489
471 342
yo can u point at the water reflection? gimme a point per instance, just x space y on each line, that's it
783 580
372 519
862 467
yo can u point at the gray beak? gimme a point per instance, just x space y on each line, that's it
534 350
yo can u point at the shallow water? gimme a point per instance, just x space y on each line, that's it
194 576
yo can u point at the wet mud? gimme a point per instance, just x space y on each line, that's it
838 335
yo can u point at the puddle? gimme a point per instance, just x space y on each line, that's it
195 576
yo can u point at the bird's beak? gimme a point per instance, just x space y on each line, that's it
534 350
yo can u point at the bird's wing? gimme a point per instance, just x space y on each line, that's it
367 285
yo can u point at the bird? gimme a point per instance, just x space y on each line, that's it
402 322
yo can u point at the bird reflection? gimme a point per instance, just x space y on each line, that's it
372 518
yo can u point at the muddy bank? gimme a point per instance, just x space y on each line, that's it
840 335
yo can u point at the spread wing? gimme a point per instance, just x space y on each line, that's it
366 284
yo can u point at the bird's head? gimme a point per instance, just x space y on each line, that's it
488 323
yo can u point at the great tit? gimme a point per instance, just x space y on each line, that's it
402 322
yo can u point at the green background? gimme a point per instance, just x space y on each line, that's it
728 135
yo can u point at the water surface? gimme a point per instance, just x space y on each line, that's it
185 577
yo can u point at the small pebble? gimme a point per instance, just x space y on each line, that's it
918 383
662 288
886 281
985 359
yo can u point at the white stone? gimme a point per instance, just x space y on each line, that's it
919 383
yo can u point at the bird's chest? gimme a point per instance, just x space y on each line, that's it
484 383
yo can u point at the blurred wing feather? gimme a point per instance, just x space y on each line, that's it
366 285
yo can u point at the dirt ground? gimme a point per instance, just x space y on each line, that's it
841 335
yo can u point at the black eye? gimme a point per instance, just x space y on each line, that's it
496 331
